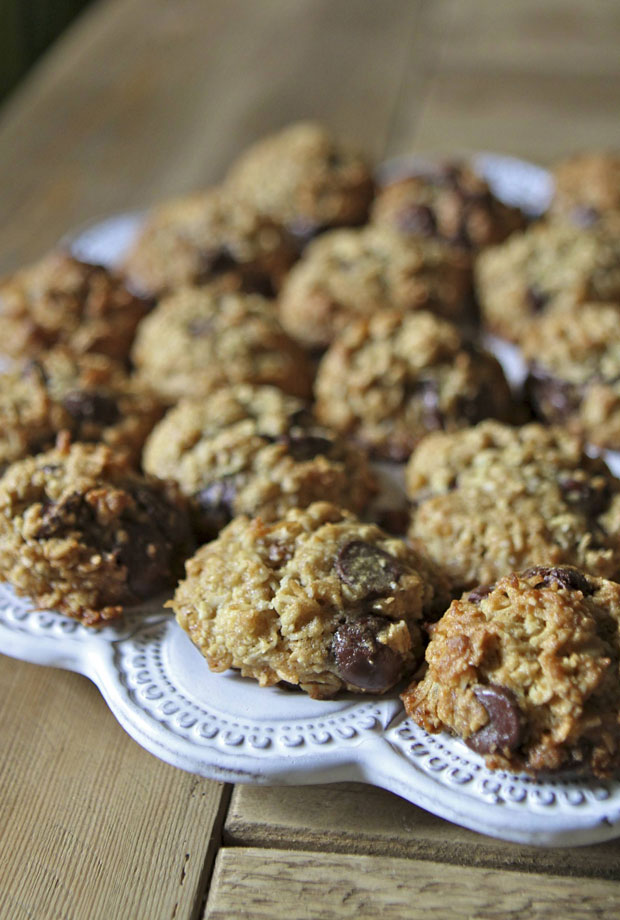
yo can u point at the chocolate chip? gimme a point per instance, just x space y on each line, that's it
91 406
479 593
215 505
368 568
504 729
549 398
71 513
361 659
536 298
303 447
301 418
417 219
570 578
590 497
215 262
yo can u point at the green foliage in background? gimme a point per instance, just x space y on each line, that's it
27 27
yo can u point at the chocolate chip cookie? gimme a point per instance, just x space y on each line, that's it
493 499
89 396
532 271
450 201
207 237
587 185
62 301
317 599
527 672
388 380
200 338
305 179
574 380
348 274
82 533
256 451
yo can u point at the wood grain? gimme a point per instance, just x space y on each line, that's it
258 884
92 825
270 817
145 98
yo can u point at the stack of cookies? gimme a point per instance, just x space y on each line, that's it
229 390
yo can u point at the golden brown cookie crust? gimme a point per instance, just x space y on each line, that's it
318 600
527 672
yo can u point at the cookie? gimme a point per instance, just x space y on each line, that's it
532 271
62 301
256 451
89 396
198 339
587 185
574 371
318 600
304 179
389 380
527 671
491 500
450 201
348 274
82 533
208 237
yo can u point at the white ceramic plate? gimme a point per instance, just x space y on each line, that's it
225 727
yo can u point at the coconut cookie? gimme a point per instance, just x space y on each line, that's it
389 380
207 237
574 371
527 672
198 339
82 533
350 274
317 599
62 301
449 201
304 179
89 396
492 499
256 451
531 272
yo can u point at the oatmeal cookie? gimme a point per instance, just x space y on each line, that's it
304 179
62 301
389 380
207 237
82 533
586 186
493 499
574 380
256 451
449 201
200 338
317 599
89 396
347 274
532 271
527 672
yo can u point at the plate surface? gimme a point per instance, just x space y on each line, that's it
225 727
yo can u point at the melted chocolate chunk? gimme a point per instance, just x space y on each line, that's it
91 406
368 568
479 593
569 578
215 504
549 398
361 659
71 513
303 447
590 497
417 219
504 729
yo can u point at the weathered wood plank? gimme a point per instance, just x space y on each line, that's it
92 825
328 818
317 886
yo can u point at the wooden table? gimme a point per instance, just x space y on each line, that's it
146 98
